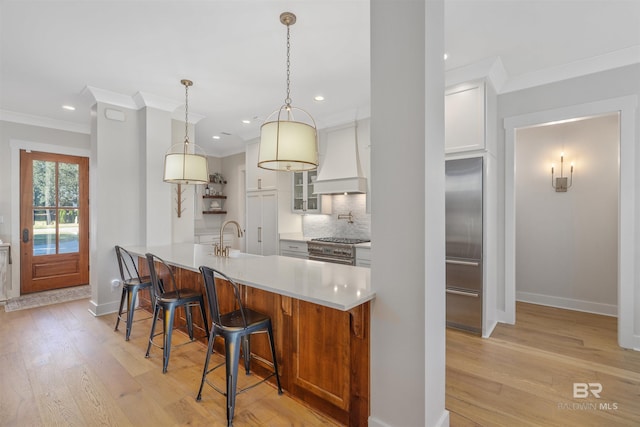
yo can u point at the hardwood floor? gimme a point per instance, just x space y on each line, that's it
524 375
59 365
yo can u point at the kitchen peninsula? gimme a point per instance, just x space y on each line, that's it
320 313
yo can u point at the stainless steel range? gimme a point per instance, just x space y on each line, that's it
334 249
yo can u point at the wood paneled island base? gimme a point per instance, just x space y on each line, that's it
323 353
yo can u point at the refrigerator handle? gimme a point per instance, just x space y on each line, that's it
463 293
470 263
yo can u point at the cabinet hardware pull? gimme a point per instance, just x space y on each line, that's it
259 183
259 234
304 205
469 263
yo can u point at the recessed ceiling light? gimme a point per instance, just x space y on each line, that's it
69 107
246 121
216 136
446 55
319 98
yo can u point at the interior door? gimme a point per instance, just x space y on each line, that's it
54 221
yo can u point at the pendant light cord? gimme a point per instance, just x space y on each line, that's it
186 114
287 100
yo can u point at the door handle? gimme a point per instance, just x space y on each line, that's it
25 235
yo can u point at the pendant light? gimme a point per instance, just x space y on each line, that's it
287 144
186 163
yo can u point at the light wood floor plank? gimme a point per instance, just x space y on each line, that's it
524 373
61 366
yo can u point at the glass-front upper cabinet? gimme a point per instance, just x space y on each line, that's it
304 201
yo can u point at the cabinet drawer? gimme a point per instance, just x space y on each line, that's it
464 310
293 246
464 274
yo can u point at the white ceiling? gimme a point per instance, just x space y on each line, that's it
234 51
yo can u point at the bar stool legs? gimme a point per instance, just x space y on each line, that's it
168 315
130 294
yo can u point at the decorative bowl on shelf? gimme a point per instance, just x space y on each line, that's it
215 205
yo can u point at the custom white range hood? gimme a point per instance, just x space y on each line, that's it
340 170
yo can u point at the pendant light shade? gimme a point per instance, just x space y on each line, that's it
186 163
287 144
183 166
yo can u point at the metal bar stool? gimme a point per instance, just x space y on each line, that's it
132 283
236 329
168 300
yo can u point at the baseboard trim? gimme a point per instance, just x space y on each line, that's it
443 421
568 303
102 309
503 317
375 422
489 331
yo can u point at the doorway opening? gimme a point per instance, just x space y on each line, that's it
567 238
626 293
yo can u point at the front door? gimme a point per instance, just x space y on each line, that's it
54 221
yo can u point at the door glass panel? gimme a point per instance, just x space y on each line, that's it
44 231
68 231
68 185
44 183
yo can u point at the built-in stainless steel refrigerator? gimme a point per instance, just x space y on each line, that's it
464 243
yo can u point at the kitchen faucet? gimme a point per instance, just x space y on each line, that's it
219 248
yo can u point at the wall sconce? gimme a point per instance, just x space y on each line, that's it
562 183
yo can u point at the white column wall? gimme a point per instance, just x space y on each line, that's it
407 204
117 215
156 138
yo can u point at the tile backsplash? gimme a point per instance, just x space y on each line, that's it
331 226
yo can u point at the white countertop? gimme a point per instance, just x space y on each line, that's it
332 285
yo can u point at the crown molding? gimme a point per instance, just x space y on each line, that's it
596 64
109 97
144 99
493 70
27 119
490 68
141 100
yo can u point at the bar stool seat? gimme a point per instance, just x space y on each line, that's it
167 298
132 283
236 329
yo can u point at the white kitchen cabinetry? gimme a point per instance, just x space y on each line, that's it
258 178
293 248
303 200
363 256
464 117
262 223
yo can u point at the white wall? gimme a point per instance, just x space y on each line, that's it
168 132
117 204
566 243
407 205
